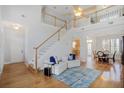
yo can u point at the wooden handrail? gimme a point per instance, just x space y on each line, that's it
36 48
54 17
49 37
102 9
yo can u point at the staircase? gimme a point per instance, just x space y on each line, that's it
46 48
42 49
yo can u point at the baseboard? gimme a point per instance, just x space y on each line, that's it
13 62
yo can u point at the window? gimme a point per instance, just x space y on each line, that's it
111 44
115 45
106 44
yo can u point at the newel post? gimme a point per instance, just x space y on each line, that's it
36 58
58 35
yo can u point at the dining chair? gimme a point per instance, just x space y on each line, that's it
107 52
113 57
100 56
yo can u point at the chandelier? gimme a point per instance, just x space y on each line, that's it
78 11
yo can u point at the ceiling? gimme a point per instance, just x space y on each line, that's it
65 12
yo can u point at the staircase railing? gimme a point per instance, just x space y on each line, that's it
41 44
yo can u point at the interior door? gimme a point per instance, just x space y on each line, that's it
17 46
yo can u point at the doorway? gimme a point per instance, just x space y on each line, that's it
76 48
17 52
14 46
89 48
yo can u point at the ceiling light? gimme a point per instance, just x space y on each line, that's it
104 6
66 8
16 26
54 7
78 11
78 14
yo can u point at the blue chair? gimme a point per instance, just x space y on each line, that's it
52 60
71 57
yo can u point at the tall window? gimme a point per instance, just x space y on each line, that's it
106 44
111 45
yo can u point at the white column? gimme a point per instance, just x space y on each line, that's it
1 49
83 49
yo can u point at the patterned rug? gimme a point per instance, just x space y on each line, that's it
78 77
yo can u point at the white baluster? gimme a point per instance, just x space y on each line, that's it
121 12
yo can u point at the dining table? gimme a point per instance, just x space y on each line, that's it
104 58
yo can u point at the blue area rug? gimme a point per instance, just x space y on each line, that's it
78 77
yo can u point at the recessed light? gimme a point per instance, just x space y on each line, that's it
23 15
16 26
54 7
66 8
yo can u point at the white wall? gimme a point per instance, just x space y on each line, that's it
1 43
1 50
0 13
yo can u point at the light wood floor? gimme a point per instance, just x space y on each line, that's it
17 75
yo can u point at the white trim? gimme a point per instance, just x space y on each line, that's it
9 62
0 74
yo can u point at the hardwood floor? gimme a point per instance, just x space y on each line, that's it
17 75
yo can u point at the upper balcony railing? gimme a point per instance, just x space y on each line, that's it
53 20
107 14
